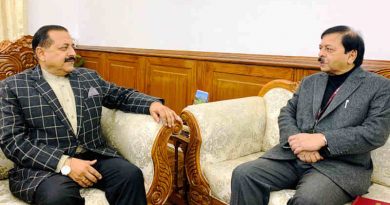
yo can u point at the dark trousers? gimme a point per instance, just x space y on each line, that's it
122 182
253 181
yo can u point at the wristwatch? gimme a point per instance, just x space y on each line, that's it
65 170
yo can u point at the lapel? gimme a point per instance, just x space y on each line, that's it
319 90
48 94
346 89
80 93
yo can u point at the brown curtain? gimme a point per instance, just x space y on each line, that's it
13 19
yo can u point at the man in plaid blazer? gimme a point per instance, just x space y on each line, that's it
50 128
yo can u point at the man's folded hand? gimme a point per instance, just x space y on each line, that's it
310 156
306 142
83 173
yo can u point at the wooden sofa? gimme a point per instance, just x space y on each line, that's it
227 133
145 146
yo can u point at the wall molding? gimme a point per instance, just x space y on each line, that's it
176 75
302 62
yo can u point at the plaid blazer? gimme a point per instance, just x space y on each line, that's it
35 132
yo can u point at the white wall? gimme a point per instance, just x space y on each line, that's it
277 27
43 12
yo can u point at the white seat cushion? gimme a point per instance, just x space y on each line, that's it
92 196
376 191
219 175
281 197
381 174
5 195
5 165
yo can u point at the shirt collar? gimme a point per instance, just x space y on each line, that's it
48 76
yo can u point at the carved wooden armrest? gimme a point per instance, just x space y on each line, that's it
162 183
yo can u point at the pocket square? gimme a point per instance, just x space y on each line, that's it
92 92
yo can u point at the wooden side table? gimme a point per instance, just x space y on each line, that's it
177 152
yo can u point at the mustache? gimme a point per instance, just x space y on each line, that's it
320 59
70 59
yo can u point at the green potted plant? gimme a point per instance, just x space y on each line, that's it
79 61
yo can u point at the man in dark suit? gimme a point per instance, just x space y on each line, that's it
50 128
327 131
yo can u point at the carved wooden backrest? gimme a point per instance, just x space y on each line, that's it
384 72
279 83
292 86
16 56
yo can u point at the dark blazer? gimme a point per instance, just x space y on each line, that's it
35 132
356 122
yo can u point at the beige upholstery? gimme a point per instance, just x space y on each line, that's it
242 130
218 145
5 166
133 135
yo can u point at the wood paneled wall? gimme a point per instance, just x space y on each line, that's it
176 75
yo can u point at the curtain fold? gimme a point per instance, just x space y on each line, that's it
13 19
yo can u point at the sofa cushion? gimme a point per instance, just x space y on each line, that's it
5 195
281 197
92 196
229 128
274 99
379 192
380 156
219 178
5 166
376 191
219 175
118 129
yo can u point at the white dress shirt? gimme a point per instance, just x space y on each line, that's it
63 90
